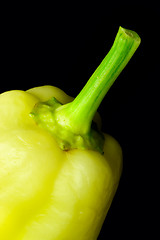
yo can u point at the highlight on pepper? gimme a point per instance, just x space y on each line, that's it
58 171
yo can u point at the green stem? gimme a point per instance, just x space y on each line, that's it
70 124
81 111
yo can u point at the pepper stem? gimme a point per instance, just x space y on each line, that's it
80 112
72 121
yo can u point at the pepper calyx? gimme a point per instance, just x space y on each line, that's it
45 116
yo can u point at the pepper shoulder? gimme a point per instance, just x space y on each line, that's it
15 107
114 155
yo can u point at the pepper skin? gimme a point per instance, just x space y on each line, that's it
47 193
58 171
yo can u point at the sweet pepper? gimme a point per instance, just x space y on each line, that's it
58 171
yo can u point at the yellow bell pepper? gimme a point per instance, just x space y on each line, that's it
59 173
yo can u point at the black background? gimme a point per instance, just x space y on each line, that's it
61 45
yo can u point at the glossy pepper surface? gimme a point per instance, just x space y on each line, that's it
59 173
